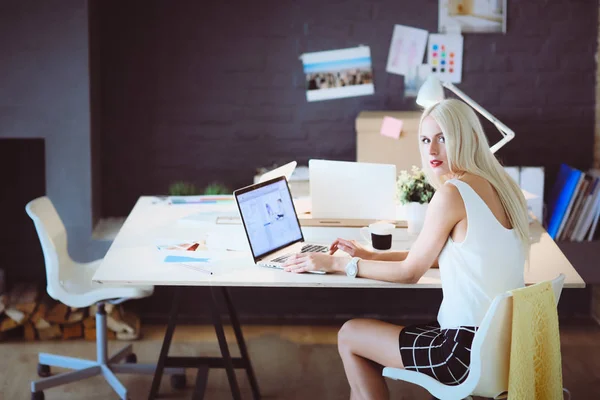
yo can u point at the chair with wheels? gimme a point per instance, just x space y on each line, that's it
490 356
71 283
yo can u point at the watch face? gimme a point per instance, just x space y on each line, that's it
351 269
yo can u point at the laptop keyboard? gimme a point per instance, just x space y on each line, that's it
313 248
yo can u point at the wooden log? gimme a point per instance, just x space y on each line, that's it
57 314
7 324
116 323
90 334
75 316
3 303
29 331
27 298
89 322
131 320
15 315
72 331
54 332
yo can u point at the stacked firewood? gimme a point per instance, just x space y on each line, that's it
27 311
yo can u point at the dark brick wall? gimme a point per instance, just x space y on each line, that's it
207 91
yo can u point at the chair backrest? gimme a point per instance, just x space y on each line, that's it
490 351
53 238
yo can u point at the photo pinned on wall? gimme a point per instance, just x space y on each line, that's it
415 78
444 55
407 49
337 74
472 16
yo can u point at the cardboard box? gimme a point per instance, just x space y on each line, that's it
372 146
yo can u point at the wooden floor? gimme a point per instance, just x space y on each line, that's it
291 362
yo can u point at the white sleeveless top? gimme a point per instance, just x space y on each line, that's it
489 262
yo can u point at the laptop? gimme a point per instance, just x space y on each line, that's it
345 190
271 223
285 170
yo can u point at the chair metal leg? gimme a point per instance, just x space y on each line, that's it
64 378
102 366
56 360
114 382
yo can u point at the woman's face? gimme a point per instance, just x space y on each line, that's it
433 147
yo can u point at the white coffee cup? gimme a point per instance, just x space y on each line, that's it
379 234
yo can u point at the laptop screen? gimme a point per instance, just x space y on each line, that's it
269 216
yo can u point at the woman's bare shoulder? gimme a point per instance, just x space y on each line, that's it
479 184
448 198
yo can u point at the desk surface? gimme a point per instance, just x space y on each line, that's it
134 260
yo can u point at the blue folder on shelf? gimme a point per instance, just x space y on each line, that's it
563 192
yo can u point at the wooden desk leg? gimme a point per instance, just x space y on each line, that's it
217 322
164 351
241 344
201 379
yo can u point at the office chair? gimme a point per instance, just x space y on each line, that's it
71 283
490 356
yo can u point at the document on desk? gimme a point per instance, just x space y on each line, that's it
223 200
205 257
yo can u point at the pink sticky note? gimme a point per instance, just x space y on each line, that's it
391 127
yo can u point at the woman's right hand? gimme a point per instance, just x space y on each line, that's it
352 248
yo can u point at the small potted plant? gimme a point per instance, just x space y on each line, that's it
414 193
216 188
181 188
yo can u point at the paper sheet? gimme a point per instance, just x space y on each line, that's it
337 74
444 56
415 79
391 127
480 16
406 49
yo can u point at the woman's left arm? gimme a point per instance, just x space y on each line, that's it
445 210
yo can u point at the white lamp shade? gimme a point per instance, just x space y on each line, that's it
430 92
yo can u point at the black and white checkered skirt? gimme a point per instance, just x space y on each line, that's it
443 354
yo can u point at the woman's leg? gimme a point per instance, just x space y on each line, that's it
366 346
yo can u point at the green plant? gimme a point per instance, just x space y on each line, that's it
216 188
413 187
181 188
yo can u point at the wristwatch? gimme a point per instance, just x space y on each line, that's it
352 267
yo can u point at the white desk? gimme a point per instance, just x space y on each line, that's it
133 259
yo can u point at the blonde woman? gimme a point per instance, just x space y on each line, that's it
476 229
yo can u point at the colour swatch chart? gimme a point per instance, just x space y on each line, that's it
445 54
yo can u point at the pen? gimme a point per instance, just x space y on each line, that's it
195 268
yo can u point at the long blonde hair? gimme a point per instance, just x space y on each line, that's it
468 151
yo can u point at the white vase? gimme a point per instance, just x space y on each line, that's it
415 216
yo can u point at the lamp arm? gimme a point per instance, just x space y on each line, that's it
507 133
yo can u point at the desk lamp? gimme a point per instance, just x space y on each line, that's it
432 92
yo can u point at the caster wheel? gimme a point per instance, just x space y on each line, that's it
178 381
43 371
131 359
37 395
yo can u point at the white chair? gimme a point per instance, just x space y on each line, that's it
490 356
71 283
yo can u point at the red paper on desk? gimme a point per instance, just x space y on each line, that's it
183 246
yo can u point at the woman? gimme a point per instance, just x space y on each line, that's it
476 229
